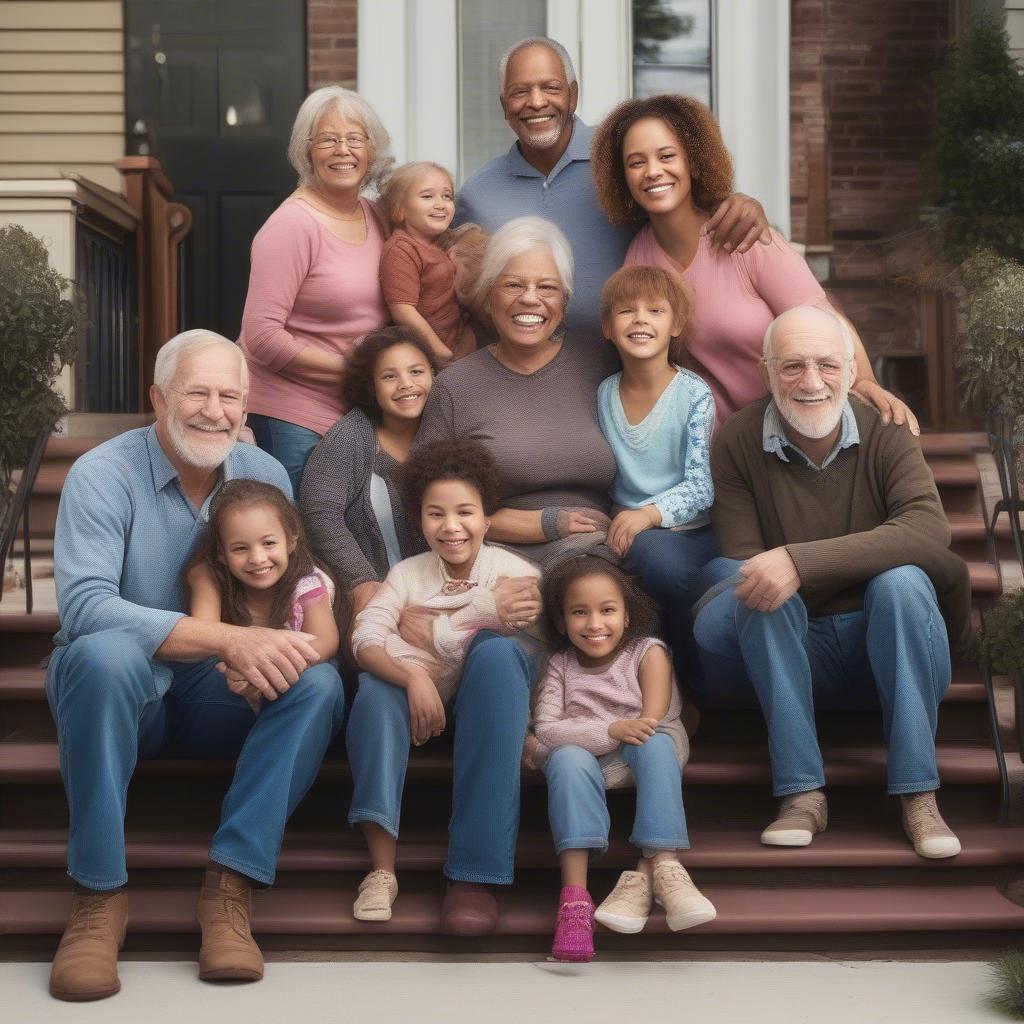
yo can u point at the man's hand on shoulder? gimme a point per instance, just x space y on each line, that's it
737 223
769 580
270 660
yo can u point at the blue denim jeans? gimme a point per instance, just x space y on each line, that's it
668 563
578 808
490 709
894 654
289 443
109 714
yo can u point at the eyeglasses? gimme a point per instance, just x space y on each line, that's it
793 369
354 140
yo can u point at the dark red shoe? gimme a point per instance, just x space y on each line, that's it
469 909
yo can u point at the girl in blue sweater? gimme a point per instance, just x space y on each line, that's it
657 418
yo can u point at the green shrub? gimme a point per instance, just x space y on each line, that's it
1002 643
1007 975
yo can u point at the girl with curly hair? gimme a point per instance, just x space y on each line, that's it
662 160
607 705
459 588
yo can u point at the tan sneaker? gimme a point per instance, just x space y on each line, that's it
627 907
924 826
685 905
377 891
801 817
228 952
85 964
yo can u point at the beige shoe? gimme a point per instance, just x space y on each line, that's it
627 907
228 952
801 817
924 826
376 894
85 964
685 905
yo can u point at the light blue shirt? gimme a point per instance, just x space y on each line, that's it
510 187
125 531
774 440
664 459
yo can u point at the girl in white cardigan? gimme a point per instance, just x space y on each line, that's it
415 633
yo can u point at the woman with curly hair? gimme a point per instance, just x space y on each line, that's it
314 290
662 160
462 664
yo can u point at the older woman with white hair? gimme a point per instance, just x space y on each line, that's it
314 290
531 398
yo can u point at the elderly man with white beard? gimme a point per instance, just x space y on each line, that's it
837 589
134 676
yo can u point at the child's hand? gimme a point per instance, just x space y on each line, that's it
240 685
517 601
416 627
426 711
627 524
636 731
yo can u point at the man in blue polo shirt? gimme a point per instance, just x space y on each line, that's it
133 675
546 173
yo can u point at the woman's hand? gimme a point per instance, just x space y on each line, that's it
889 407
627 524
635 731
737 223
426 712
517 601
416 627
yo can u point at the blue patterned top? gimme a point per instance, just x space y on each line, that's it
664 459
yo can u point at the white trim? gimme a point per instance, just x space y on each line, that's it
751 69
606 56
381 56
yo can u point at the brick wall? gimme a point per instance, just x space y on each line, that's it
860 94
331 38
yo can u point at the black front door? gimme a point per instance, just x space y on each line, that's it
213 87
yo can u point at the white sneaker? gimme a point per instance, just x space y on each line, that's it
931 836
627 907
801 816
376 894
685 905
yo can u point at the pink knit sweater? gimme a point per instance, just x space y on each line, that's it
307 287
736 298
575 705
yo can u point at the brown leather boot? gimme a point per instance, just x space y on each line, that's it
228 952
85 964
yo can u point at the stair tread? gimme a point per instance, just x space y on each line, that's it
950 443
711 763
847 844
741 909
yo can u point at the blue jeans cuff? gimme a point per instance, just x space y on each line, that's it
355 816
249 870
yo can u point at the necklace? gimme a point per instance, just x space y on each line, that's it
451 586
322 206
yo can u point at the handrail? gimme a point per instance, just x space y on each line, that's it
1000 438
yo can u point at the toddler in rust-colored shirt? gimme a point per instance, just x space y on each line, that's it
423 262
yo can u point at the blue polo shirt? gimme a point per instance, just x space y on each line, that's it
125 531
775 442
510 187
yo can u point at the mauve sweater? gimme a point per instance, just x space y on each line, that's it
307 287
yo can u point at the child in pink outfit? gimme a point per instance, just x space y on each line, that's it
606 707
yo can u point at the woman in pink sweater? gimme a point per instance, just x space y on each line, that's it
662 159
314 289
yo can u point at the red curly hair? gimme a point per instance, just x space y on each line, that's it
698 133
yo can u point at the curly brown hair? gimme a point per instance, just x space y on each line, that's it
245 494
644 618
698 133
357 386
460 459
652 284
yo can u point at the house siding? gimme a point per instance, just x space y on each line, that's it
62 89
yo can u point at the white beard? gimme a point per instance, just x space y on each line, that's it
202 455
817 422
550 137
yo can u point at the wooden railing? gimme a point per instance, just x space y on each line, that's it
163 227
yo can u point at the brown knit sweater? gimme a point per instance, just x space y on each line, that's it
873 508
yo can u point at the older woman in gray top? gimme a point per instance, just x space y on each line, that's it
350 497
531 398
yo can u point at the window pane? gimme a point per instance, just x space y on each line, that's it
672 47
487 28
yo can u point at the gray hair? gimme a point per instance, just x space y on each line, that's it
190 341
513 239
844 329
352 107
555 47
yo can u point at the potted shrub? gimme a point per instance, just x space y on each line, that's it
39 323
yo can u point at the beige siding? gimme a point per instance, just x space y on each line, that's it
1015 28
61 89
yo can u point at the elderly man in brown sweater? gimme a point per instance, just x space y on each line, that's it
840 590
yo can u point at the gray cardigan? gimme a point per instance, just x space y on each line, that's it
335 503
